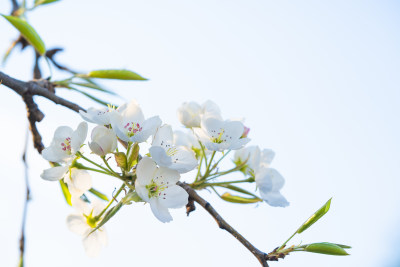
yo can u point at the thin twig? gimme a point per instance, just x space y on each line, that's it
22 239
261 256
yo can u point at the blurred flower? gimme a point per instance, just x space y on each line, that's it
84 221
157 186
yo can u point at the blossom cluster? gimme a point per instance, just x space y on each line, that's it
152 176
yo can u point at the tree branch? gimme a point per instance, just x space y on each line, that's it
261 256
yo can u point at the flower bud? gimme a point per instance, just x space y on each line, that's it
104 141
189 114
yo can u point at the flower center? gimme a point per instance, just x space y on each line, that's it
132 128
155 190
171 151
217 137
66 145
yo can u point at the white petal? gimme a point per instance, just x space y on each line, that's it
267 156
159 155
164 136
263 179
145 170
78 137
239 143
54 153
275 199
233 129
166 175
62 132
184 160
161 212
142 191
132 113
97 149
54 173
117 126
93 243
149 128
174 197
80 180
77 224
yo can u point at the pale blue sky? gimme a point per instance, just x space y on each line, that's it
317 81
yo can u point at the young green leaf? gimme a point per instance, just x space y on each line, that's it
120 158
115 74
66 193
98 194
237 199
90 96
325 248
315 217
237 189
133 155
28 32
44 2
93 86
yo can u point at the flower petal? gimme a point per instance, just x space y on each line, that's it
161 212
54 173
93 243
145 170
160 156
77 224
78 137
174 197
163 137
274 199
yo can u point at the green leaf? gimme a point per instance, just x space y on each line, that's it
315 217
66 193
131 196
325 248
94 86
236 199
133 155
28 32
114 74
109 214
120 158
44 2
98 194
90 96
237 189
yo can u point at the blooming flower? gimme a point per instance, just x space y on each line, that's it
269 181
100 116
78 181
104 141
157 186
84 221
165 154
66 143
219 135
190 113
188 140
130 125
251 155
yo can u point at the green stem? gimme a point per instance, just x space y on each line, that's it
208 165
284 244
229 182
110 202
108 166
83 167
199 169
223 156
94 163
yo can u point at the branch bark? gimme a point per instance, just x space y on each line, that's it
261 256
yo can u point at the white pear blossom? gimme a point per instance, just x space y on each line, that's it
251 154
219 135
100 116
78 181
66 142
157 186
166 154
104 141
267 155
190 113
83 222
130 124
269 181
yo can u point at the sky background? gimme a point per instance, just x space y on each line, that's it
316 81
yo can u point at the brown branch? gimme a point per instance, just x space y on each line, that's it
27 90
261 256
15 6
27 198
